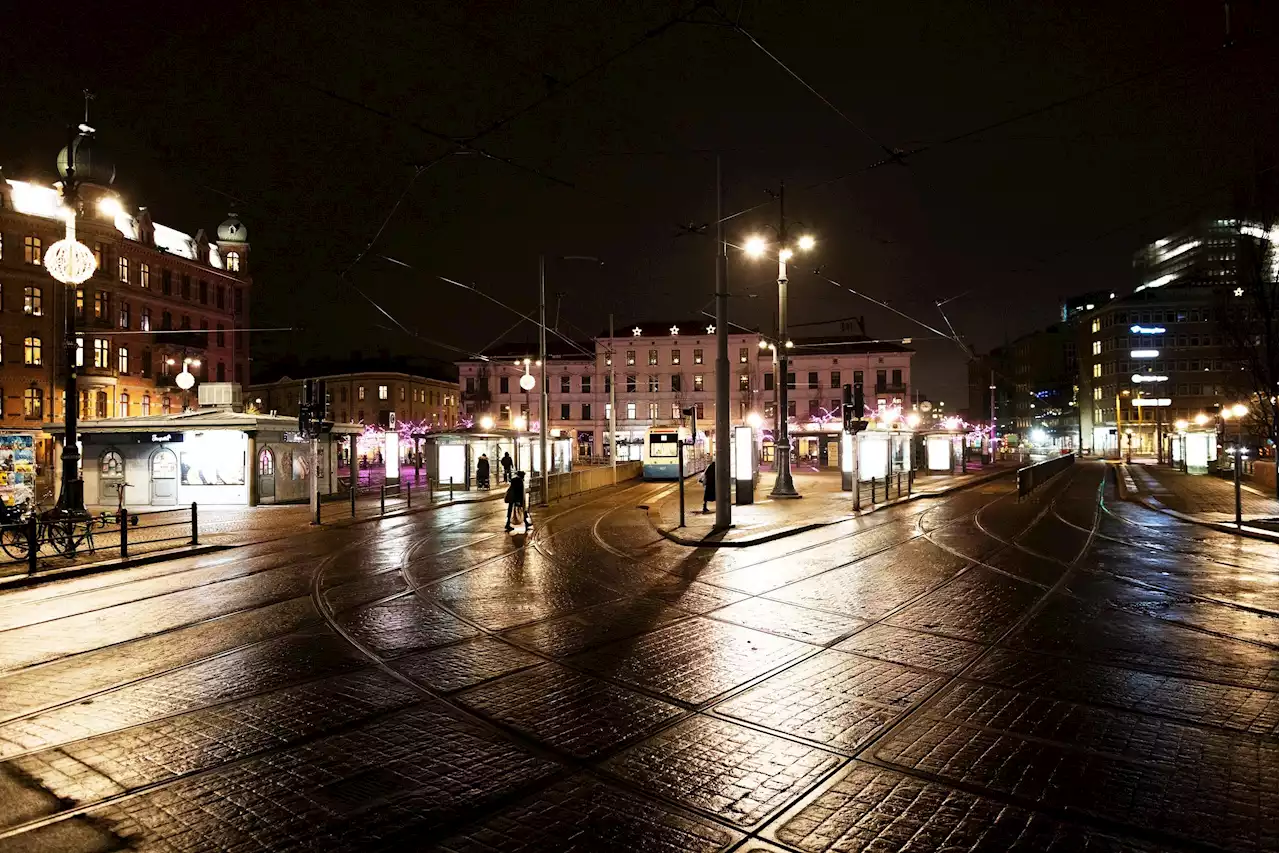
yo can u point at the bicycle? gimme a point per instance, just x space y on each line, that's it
63 532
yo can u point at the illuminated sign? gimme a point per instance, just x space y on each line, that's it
1145 377
1147 330
391 455
1144 353
743 453
1143 402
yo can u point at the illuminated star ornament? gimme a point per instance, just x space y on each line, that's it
1239 291
675 330
711 330
635 333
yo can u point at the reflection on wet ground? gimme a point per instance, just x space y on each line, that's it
961 673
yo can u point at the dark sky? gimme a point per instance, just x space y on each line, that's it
227 103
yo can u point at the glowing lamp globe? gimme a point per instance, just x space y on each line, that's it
185 380
70 261
527 382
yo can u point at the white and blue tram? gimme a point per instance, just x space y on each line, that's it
662 452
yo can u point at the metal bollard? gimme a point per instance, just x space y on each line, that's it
408 495
124 533
899 484
33 544
195 524
352 486
382 494
450 490
873 491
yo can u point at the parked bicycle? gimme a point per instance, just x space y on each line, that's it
66 534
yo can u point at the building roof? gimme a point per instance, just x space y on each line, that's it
685 326
290 367
203 419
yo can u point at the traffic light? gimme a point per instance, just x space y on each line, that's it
321 403
859 402
846 409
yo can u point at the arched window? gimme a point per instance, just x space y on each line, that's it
233 261
266 463
146 405
111 464
123 405
32 355
165 404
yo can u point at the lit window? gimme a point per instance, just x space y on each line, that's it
631 358
144 322
360 393
401 393
698 380
33 300
124 314
31 250
79 352
744 382
742 355
144 280
101 305
653 356
33 403
608 411
697 356
123 359
1096 325
675 411
1097 371
653 411
122 407
653 383
382 392
233 261
1097 393
675 356
146 405
631 411
31 351
1097 347
124 270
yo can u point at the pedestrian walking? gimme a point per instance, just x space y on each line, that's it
516 498
506 464
482 472
708 486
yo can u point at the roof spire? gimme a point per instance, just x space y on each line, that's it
88 96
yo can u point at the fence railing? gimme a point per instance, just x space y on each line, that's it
50 538
1033 477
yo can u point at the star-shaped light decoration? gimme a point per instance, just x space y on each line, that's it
635 333
1239 291
675 330
711 329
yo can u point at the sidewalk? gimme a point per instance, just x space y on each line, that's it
1199 497
822 503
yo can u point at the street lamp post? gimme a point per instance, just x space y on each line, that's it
783 486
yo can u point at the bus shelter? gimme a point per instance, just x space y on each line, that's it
451 457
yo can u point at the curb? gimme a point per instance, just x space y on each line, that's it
1124 480
670 535
24 580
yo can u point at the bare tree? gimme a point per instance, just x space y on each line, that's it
1248 310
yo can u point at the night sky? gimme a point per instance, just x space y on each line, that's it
228 109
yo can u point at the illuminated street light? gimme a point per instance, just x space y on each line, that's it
486 422
1181 425
754 420
110 206
806 242
1239 410
1201 419
756 247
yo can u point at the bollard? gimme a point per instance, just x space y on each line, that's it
899 479
451 489
873 491
352 486
33 544
382 495
911 476
857 492
408 496
195 525
680 476
124 533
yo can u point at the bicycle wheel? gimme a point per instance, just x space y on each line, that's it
66 536
14 542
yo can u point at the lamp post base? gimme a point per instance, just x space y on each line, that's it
71 501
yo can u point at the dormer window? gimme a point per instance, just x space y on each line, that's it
233 261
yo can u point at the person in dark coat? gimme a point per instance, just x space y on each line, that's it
515 498
708 485
506 464
482 472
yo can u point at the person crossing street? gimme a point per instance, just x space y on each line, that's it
516 498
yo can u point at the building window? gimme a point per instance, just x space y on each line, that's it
123 360
608 383
564 385
79 351
124 314
675 382
791 408
881 380
31 250
204 292
631 411
186 287
144 322
653 357
144 280
33 300
239 300
233 261
675 356
401 393
221 336
857 377
1097 347
360 394
222 372
221 296
608 411
835 379
166 404
122 405
100 256
101 352
896 376
742 355
697 356
166 282
1095 326
146 364
698 380
564 411
631 383
702 410
124 270
586 384
1097 371
791 380
101 305
146 405
768 382
504 385
744 382
32 355
631 358
33 403
813 379
675 411
653 384
586 411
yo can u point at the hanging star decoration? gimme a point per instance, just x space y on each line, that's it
635 333
711 330
675 330
1239 291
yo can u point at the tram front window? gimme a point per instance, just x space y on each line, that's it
663 446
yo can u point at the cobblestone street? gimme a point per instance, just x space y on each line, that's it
961 672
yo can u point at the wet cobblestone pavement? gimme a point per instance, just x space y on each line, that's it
962 673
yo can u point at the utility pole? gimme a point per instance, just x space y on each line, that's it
992 389
544 413
613 411
724 508
783 487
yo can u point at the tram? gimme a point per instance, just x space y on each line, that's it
662 454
